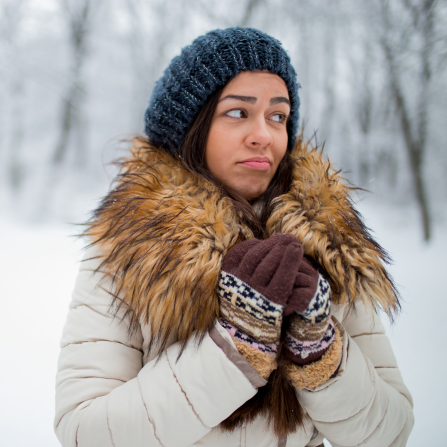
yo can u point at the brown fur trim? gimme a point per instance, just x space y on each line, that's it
320 213
263 363
316 373
162 233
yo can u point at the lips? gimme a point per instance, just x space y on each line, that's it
259 163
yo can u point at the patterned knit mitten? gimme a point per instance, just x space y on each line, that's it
254 286
311 332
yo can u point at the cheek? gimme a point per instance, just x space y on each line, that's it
280 148
214 150
222 146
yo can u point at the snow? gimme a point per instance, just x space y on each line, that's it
39 265
417 336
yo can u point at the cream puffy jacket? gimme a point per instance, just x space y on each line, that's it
110 394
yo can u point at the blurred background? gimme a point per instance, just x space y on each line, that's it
75 77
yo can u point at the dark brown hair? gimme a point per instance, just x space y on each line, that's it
192 153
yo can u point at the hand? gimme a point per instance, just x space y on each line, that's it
257 279
311 295
310 331
267 266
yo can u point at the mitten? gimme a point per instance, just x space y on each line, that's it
310 331
312 340
256 281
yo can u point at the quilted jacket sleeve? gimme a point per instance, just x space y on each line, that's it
105 397
367 402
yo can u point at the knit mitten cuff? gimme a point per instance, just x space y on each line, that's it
261 356
319 372
248 310
307 343
319 307
311 332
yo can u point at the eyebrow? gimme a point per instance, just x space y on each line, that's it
278 100
252 99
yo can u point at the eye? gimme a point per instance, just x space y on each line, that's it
236 113
279 118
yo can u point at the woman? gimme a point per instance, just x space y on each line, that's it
202 313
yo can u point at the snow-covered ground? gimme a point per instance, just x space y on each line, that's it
38 267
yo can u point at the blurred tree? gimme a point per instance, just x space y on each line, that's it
12 14
329 38
153 27
79 15
403 39
251 5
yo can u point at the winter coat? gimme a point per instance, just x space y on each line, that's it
144 361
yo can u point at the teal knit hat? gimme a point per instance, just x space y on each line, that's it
209 62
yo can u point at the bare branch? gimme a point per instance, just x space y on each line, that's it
249 11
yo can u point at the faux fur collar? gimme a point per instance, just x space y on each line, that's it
162 235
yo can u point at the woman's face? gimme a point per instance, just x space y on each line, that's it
248 135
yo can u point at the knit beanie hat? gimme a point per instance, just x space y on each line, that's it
209 62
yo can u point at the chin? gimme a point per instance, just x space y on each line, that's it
250 191
252 195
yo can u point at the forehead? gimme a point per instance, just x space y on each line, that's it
256 82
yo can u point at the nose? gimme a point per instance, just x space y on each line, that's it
259 135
